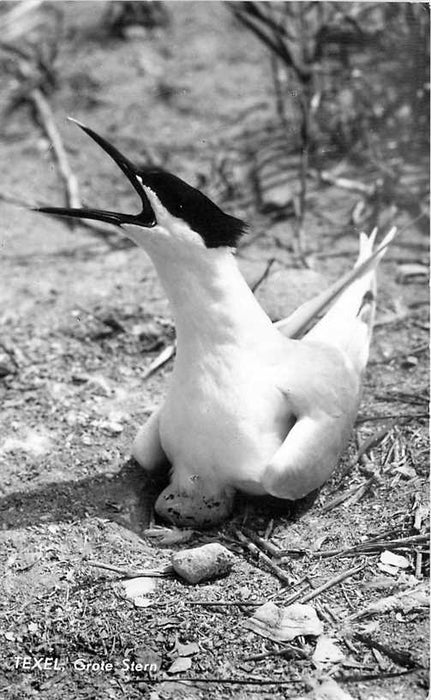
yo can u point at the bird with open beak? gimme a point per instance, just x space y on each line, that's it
251 406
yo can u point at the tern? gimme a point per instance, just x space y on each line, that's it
252 406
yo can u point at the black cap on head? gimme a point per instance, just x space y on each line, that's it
180 199
189 204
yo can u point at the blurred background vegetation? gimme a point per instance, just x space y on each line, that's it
347 88
311 121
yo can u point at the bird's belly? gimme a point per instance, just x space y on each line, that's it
225 433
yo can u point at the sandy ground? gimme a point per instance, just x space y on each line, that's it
83 318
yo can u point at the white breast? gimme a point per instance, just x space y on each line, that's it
224 419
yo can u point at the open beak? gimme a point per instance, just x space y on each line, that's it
146 217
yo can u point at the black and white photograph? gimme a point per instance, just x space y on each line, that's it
214 350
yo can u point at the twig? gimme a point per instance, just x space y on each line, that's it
47 119
356 492
370 442
402 541
402 658
305 145
225 603
161 360
347 184
333 582
132 573
268 547
403 397
374 546
264 275
361 678
282 575
391 416
235 681
294 597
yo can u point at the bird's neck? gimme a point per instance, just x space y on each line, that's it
211 302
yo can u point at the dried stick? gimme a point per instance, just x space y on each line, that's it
357 490
370 442
46 117
333 582
161 360
346 184
225 603
400 657
305 147
391 416
251 680
132 573
266 546
282 575
264 275
375 546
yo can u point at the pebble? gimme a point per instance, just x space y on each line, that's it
113 427
202 563
6 368
410 361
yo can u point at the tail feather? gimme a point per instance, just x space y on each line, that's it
299 321
349 322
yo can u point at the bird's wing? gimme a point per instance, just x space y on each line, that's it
299 321
147 448
322 391
323 380
307 456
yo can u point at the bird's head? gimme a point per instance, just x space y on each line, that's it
173 214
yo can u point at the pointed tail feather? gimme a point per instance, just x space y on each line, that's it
299 321
349 322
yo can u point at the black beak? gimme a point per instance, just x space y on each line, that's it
146 218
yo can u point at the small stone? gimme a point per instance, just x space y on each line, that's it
409 271
202 563
6 368
181 664
410 361
390 559
113 428
137 590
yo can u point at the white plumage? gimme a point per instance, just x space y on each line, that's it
248 407
252 406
